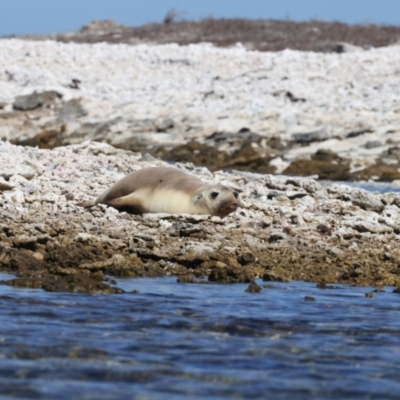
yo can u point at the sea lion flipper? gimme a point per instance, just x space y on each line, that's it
87 204
131 203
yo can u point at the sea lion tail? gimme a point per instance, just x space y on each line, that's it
87 204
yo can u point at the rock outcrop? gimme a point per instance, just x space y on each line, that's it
289 228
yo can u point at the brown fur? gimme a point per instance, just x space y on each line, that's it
163 189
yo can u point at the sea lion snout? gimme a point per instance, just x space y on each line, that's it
226 209
223 201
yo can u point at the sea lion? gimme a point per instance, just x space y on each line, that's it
168 190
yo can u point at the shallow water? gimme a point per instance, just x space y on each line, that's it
180 341
380 187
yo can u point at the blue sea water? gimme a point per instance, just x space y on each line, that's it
380 187
196 341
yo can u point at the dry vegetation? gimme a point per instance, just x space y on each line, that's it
263 35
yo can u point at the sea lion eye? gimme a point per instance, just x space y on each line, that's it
214 195
236 194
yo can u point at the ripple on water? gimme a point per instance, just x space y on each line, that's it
188 340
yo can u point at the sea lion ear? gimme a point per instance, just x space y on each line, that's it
197 197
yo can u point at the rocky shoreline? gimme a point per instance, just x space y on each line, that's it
289 228
298 113
75 118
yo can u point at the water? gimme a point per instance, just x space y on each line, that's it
180 341
380 187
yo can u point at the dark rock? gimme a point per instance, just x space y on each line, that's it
36 100
78 283
324 229
196 231
5 186
274 277
72 109
29 283
276 236
234 139
197 153
324 170
379 172
253 288
71 257
164 125
358 133
323 285
392 153
293 98
19 261
47 139
75 83
365 226
308 137
246 258
326 155
269 287
309 298
185 278
94 130
367 201
372 144
298 195
244 150
230 275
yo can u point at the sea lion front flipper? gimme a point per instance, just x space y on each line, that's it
130 203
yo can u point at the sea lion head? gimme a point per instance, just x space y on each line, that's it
217 200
